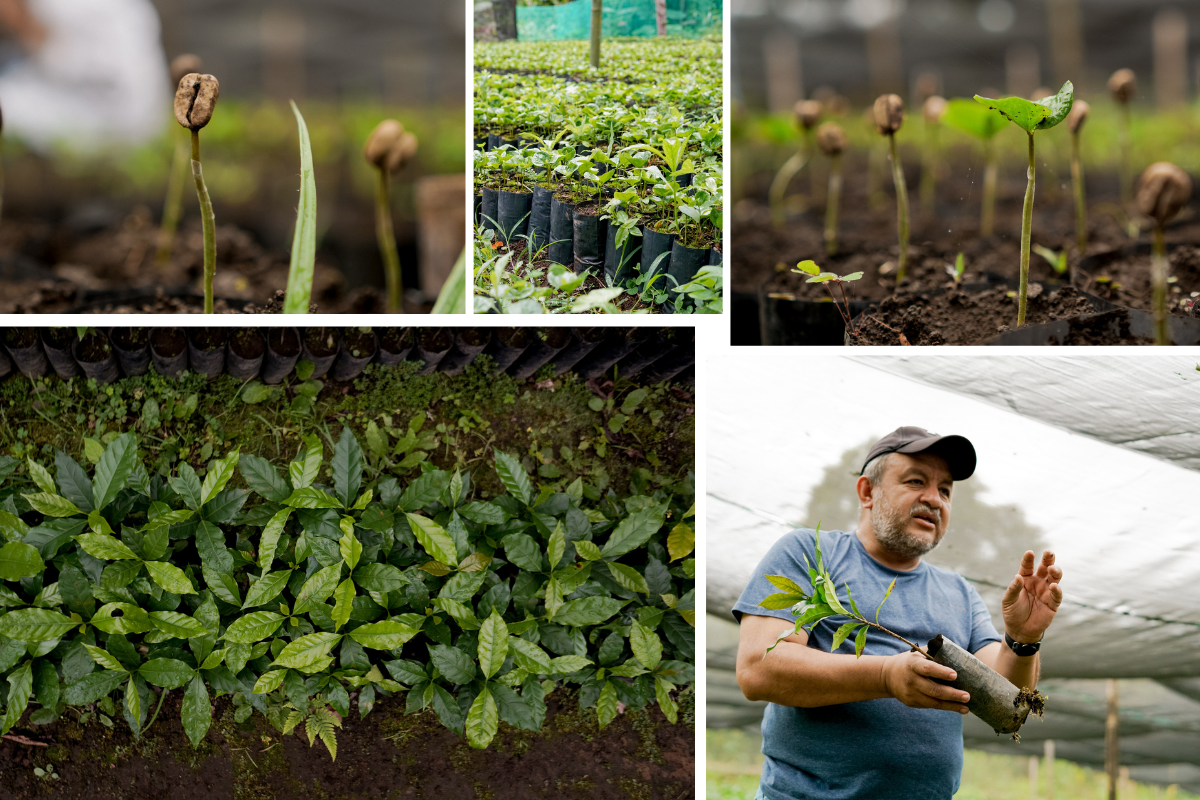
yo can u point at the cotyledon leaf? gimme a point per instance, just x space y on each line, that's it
1034 115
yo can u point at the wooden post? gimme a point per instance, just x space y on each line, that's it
884 63
1033 778
597 15
660 17
1111 746
1049 755
785 85
1065 25
1170 58
1022 69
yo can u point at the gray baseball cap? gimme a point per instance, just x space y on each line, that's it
910 440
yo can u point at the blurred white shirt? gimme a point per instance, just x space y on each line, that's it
100 78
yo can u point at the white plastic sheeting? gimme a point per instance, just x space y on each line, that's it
786 433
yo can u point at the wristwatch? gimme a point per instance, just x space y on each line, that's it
1021 649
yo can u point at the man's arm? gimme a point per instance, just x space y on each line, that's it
1021 671
794 674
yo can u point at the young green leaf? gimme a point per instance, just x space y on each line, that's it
1030 115
349 546
891 586
108 548
565 665
253 627
196 712
841 633
318 588
41 477
177 625
269 681
971 118
587 551
681 541
270 538
860 641
781 600
167 673
482 720
309 653
35 625
52 505
133 705
434 539
169 577
606 704
311 497
132 619
114 468
218 476
266 588
662 692
587 611
104 658
20 689
304 242
453 664
343 603
556 545
19 560
514 478
347 467
187 485
647 647
386 634
529 656
493 644
628 577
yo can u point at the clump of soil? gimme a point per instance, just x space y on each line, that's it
207 339
1036 702
247 343
958 317
284 341
395 340
321 341
358 343
130 339
94 348
1123 277
19 338
168 342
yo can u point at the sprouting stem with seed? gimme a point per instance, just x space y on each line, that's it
832 141
1031 116
815 274
1163 190
195 99
889 115
387 149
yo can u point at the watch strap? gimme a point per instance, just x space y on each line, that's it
1023 650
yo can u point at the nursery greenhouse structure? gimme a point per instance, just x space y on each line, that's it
1096 459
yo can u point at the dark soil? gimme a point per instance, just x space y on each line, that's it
473 337
1123 277
207 339
168 342
19 338
763 256
389 754
555 337
438 340
321 341
129 339
94 348
358 344
395 340
284 341
247 343
516 338
58 338
959 317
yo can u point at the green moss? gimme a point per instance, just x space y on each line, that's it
648 743
635 789
58 754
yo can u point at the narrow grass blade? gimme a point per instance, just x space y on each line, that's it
304 244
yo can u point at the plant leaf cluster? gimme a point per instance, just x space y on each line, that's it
312 584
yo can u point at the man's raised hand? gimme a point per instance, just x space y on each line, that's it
1032 599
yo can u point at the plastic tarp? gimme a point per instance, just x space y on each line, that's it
1096 458
573 20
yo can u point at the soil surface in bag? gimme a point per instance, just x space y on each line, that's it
958 317
763 256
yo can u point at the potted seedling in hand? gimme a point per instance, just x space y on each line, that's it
1075 120
993 698
982 123
933 109
1123 86
387 149
889 115
832 141
815 274
1031 117
808 114
195 99
1163 190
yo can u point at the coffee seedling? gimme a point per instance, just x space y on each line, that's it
387 149
956 271
832 141
1075 120
1030 116
811 269
195 99
304 241
1163 190
933 109
982 123
185 64
1123 86
808 114
889 116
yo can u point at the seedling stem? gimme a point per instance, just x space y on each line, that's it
901 207
1026 234
173 207
209 223
791 167
1158 280
831 204
387 243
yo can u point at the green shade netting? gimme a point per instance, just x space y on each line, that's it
621 18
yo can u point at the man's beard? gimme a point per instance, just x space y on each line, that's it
890 525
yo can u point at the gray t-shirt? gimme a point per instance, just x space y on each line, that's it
878 749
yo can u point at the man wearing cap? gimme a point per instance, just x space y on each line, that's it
881 726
